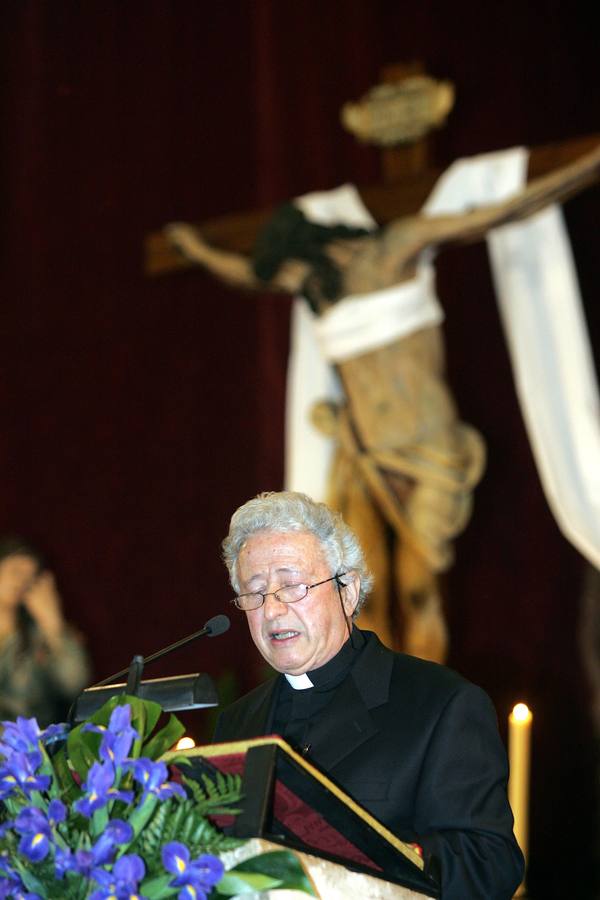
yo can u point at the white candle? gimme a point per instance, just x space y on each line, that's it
519 754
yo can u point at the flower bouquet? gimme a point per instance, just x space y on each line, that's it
93 812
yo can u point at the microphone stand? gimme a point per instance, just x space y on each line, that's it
174 694
134 676
215 626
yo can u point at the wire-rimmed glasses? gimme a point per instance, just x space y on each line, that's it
288 593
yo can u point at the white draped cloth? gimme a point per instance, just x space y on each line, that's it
540 306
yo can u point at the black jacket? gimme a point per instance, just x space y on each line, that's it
418 747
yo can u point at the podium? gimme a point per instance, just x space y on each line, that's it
330 881
289 803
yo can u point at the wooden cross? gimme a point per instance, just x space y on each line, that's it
407 182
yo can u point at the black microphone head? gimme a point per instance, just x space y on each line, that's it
217 625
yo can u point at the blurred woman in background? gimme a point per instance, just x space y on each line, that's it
43 664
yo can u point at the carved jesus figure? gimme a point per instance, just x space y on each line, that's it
404 458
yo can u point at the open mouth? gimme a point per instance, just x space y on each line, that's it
283 635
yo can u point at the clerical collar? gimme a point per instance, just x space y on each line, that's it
299 682
334 670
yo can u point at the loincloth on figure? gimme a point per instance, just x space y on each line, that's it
400 433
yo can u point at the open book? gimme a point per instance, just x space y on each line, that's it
288 800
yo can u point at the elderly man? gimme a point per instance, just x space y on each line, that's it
410 740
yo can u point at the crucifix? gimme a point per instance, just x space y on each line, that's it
405 462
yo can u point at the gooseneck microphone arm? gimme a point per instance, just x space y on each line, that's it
174 694
215 626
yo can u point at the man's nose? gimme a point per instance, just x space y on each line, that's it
273 607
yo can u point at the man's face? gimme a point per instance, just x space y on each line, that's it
294 637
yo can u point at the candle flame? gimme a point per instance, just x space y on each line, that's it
521 713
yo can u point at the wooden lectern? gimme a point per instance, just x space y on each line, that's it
290 803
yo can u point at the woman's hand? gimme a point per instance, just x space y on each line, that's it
43 603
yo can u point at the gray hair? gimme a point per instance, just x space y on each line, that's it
285 511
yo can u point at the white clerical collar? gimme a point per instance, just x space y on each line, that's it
299 682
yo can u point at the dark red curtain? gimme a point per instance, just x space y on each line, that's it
138 413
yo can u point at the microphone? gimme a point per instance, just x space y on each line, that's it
217 625
214 627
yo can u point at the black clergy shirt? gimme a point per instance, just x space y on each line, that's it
296 709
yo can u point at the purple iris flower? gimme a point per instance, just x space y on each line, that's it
12 887
120 719
154 779
63 862
119 722
115 748
196 877
36 833
54 733
122 882
57 812
83 862
5 867
117 737
116 832
22 736
20 771
8 783
10 882
9 878
100 789
36 829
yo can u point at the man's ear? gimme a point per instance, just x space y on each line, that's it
350 591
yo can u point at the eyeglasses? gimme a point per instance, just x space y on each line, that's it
289 593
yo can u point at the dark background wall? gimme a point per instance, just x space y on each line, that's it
138 413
